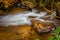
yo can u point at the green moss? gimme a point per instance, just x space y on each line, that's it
56 34
37 39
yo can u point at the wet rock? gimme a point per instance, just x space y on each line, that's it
43 27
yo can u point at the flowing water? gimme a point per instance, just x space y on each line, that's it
20 18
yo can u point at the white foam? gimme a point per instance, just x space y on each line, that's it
19 18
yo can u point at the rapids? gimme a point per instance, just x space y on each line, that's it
20 18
